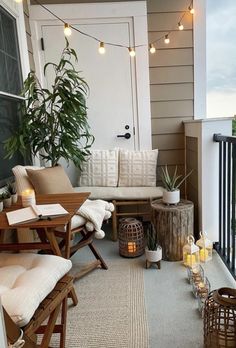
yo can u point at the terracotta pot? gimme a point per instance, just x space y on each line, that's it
153 255
171 197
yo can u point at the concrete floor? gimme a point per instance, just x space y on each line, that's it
173 317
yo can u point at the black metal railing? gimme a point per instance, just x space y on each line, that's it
227 187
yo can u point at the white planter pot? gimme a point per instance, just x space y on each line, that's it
171 197
1 206
14 198
153 255
7 202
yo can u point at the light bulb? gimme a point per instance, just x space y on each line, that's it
132 52
167 40
101 49
152 48
18 1
180 25
67 30
191 10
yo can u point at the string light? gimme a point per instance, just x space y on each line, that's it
152 48
167 39
101 49
67 30
180 25
191 10
131 52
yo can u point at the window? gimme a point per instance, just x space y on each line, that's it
10 87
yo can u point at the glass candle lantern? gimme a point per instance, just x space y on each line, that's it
195 274
191 253
201 303
202 288
205 245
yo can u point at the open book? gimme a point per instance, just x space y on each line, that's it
35 212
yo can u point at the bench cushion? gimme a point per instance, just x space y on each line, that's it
26 279
122 193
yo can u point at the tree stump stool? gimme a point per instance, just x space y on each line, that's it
173 223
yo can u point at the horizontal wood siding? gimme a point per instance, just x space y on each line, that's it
171 79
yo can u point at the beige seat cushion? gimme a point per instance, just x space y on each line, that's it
122 193
50 180
26 279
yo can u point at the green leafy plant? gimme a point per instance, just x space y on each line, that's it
1 197
11 188
234 126
172 183
6 194
54 122
152 240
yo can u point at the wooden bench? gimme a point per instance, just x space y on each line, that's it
136 197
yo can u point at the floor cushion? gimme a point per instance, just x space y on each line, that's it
26 279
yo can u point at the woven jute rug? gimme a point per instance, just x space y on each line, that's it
111 310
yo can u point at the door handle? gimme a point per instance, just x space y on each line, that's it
126 136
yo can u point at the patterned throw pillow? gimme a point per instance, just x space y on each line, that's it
101 169
137 168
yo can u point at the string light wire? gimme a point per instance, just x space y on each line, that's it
167 34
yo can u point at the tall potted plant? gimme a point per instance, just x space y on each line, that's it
171 193
54 121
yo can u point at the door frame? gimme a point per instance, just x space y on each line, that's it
140 65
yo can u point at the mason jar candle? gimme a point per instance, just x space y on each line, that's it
28 198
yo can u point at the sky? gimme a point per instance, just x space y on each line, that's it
221 58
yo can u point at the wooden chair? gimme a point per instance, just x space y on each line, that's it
85 239
49 308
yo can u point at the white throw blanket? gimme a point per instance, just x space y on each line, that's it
95 212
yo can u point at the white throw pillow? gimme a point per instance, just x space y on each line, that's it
137 168
21 177
101 169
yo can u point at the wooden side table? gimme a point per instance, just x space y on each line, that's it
173 223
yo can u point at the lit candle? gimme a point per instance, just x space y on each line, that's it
191 260
28 198
131 247
202 290
203 255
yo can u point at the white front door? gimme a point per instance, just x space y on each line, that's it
111 99
118 102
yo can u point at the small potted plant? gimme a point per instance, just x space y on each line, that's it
11 188
6 199
1 202
153 250
171 193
